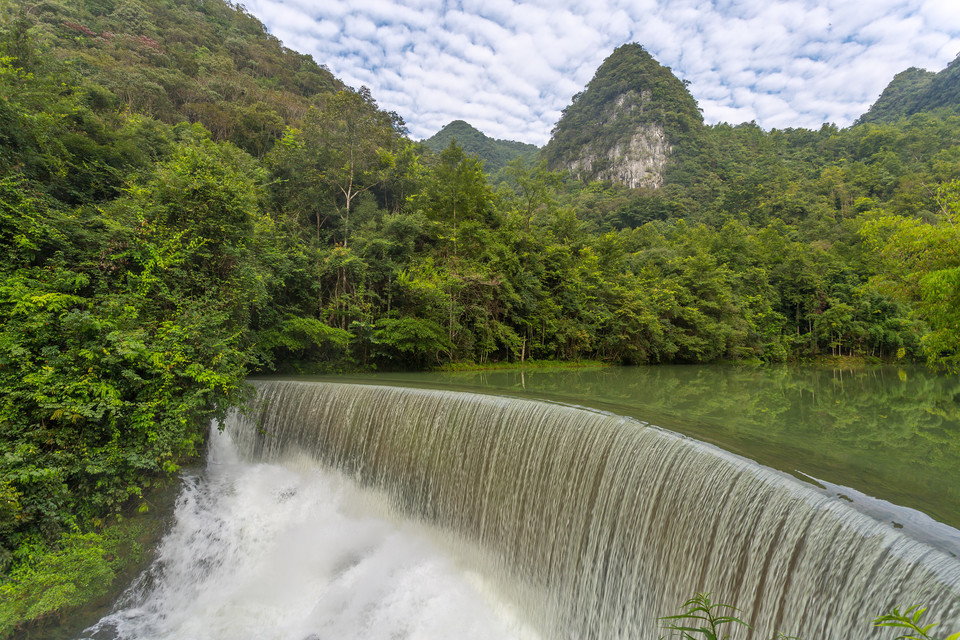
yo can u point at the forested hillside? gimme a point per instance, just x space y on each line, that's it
915 91
495 154
206 62
184 202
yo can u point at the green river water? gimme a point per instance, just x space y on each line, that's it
873 435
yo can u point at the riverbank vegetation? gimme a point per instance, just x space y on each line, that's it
702 619
184 201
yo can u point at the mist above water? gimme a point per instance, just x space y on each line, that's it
291 551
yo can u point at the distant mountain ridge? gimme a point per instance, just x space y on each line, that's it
495 153
915 91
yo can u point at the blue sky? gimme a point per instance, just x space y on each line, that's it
510 67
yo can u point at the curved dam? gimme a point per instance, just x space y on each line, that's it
595 524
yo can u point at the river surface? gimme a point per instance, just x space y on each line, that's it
289 549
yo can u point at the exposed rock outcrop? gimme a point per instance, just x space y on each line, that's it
640 161
625 126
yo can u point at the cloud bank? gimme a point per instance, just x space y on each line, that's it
510 67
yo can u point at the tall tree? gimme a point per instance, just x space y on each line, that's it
456 190
356 139
339 152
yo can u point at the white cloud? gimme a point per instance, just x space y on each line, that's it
946 15
509 67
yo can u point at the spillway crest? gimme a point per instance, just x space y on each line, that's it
601 523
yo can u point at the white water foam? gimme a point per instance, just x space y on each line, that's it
289 551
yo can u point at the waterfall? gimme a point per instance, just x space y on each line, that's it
292 551
600 524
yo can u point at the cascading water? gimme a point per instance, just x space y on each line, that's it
592 525
261 551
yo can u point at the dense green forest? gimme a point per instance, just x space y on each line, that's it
183 202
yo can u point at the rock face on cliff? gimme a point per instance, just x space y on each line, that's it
627 125
639 160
